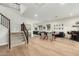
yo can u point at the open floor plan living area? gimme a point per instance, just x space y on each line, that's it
39 29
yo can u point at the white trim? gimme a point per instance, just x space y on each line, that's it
3 43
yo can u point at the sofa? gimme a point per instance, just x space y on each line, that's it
60 34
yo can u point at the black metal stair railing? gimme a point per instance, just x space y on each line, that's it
6 23
24 29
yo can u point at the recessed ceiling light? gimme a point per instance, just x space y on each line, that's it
35 15
71 14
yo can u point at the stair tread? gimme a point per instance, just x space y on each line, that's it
16 33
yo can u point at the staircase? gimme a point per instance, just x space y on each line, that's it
17 38
11 39
25 31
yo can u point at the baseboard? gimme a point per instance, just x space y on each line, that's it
4 43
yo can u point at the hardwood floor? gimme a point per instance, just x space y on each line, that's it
38 47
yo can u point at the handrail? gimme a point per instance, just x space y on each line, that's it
23 28
6 22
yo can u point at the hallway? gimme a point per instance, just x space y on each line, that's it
39 47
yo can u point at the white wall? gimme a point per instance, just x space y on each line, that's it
15 17
16 21
68 23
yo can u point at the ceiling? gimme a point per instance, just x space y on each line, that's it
50 11
47 11
11 5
